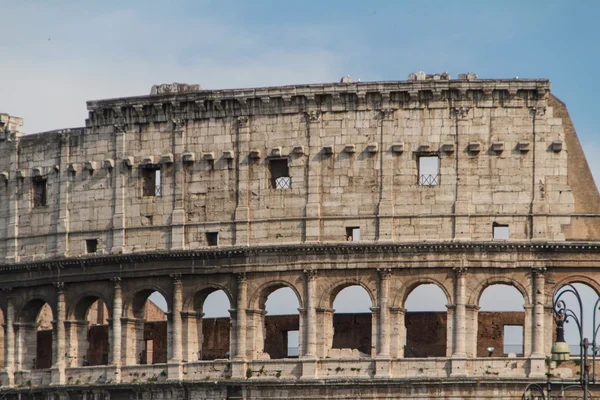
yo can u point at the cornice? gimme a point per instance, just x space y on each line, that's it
307 250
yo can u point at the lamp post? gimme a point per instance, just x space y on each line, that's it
560 349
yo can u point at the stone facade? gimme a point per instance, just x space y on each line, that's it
386 185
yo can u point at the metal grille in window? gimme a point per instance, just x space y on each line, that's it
429 180
283 182
157 191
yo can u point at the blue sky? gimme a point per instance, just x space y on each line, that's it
55 55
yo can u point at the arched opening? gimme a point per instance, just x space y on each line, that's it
281 324
207 328
588 299
501 322
426 322
146 329
34 336
352 322
88 333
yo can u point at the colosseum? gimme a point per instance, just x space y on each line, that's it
462 184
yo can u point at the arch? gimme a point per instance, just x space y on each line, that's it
259 297
195 302
502 326
410 286
78 308
576 279
34 345
134 305
29 312
497 280
328 296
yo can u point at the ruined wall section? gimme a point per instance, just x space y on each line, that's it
352 154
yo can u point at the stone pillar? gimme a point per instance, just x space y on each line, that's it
115 334
460 321
174 367
538 312
537 368
9 338
398 332
239 361
311 314
383 362
58 368
384 313
192 332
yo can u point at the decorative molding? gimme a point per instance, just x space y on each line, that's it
460 271
384 273
60 287
241 277
311 274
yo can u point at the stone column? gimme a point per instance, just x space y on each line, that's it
115 334
460 322
239 361
537 368
192 328
58 368
9 338
383 364
311 314
174 367
13 185
538 312
384 313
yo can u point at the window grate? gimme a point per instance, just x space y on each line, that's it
283 182
429 180
157 191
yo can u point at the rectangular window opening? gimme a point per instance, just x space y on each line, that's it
91 246
152 184
352 233
212 238
500 231
513 339
39 192
429 171
279 174
293 343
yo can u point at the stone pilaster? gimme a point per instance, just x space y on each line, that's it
239 361
119 222
385 207
178 219
537 367
309 363
398 332
58 367
192 332
313 198
242 211
460 322
63 225
9 338
13 186
174 366
115 336
383 365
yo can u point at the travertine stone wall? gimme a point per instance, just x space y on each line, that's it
353 153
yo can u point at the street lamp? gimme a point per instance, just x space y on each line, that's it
560 349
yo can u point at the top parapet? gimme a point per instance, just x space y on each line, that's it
420 91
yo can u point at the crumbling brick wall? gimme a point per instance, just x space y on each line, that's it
491 330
